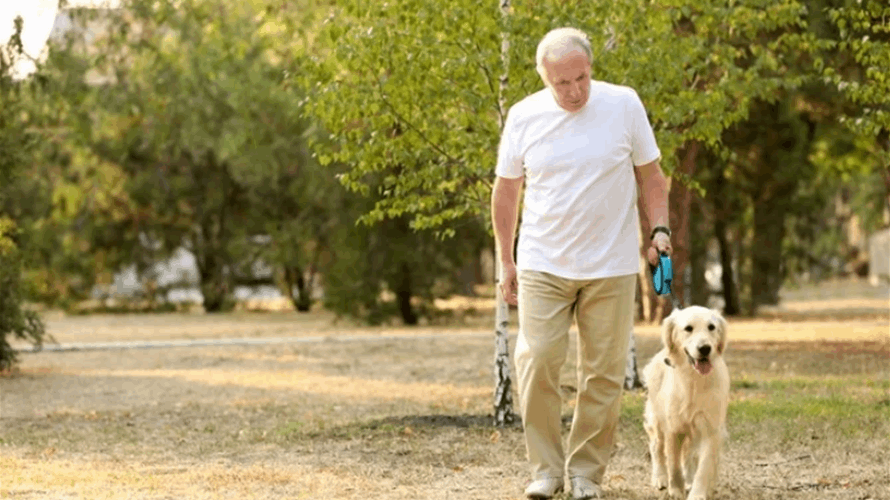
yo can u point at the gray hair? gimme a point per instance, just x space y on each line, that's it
558 43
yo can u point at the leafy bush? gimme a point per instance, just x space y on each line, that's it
15 146
15 321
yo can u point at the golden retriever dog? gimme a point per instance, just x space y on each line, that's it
688 393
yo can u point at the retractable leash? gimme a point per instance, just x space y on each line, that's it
662 277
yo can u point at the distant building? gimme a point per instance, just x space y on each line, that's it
175 279
879 257
83 26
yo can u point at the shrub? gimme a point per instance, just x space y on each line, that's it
15 320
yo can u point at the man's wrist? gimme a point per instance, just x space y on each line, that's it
660 229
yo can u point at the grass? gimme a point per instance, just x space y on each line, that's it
833 420
829 409
402 419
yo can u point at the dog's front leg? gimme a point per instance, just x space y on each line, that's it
656 450
706 475
689 454
672 449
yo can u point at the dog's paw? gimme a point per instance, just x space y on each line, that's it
659 482
697 492
675 493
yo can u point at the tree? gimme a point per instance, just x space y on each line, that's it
389 269
725 58
864 37
770 163
298 207
777 176
75 224
698 67
503 380
724 204
16 144
420 90
193 104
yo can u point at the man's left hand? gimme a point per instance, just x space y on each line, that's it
661 244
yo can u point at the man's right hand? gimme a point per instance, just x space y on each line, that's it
661 245
509 285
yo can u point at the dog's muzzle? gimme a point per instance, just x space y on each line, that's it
702 362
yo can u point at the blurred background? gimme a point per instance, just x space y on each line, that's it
309 155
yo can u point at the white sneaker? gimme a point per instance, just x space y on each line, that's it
584 489
544 488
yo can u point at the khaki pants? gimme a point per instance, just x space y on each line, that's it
603 309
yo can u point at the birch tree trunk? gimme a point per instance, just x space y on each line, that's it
503 392
632 378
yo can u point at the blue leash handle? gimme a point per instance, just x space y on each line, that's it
662 275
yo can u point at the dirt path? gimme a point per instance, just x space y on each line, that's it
296 406
813 320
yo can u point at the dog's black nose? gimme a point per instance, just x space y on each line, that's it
704 350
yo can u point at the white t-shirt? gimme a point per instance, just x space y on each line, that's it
579 217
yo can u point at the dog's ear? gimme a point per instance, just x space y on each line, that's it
721 330
667 332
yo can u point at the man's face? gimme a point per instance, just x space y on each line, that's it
569 80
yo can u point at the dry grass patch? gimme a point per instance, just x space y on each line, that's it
346 389
408 418
112 480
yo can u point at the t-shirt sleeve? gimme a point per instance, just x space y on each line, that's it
510 163
645 149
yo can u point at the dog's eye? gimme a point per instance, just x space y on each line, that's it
711 326
688 328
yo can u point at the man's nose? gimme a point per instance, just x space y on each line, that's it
576 90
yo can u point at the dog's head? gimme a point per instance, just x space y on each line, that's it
695 335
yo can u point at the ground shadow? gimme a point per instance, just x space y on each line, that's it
464 421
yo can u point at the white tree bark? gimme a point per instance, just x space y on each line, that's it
631 369
503 392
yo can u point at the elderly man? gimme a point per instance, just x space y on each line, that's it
582 148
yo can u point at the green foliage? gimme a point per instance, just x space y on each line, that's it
15 147
181 126
410 105
15 141
864 30
15 320
388 269
700 66
189 124
191 108
411 100
864 38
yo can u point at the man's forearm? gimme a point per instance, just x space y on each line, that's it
504 231
654 196
657 203
504 213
